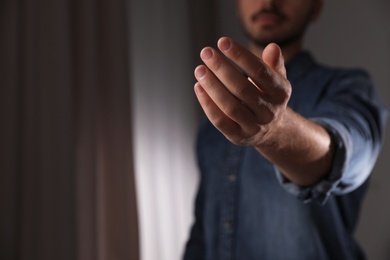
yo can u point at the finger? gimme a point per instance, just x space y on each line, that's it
272 56
223 99
217 117
231 78
263 75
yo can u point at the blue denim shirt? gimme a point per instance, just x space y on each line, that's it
245 209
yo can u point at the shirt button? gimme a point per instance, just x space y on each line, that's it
232 177
227 225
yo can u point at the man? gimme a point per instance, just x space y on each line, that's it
287 150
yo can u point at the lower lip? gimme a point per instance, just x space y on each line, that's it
268 19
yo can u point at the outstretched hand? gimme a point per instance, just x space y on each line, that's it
244 107
250 108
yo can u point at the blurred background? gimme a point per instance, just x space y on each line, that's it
98 121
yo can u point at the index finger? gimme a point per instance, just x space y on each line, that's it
262 75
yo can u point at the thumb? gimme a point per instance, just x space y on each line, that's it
273 57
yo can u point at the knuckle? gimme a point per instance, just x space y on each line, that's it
262 71
233 111
217 65
271 117
266 117
206 104
242 91
282 95
237 139
236 53
220 123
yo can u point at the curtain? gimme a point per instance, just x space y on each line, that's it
166 39
67 188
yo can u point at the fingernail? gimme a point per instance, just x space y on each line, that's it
198 88
200 72
206 54
224 44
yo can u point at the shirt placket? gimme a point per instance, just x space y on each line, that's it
228 220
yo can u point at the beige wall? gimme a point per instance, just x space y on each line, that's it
356 33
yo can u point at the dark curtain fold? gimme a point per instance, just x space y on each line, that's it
66 165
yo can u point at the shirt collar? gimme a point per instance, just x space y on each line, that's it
299 65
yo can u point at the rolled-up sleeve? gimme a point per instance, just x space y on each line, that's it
355 118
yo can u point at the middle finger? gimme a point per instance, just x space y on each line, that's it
235 82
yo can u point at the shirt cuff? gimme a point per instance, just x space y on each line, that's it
331 183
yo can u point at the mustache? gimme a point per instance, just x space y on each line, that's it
265 11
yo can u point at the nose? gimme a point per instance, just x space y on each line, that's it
269 3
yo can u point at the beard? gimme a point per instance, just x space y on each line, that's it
292 36
283 41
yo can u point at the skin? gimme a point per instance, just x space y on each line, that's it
281 21
252 110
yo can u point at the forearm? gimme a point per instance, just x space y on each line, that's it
301 149
252 110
